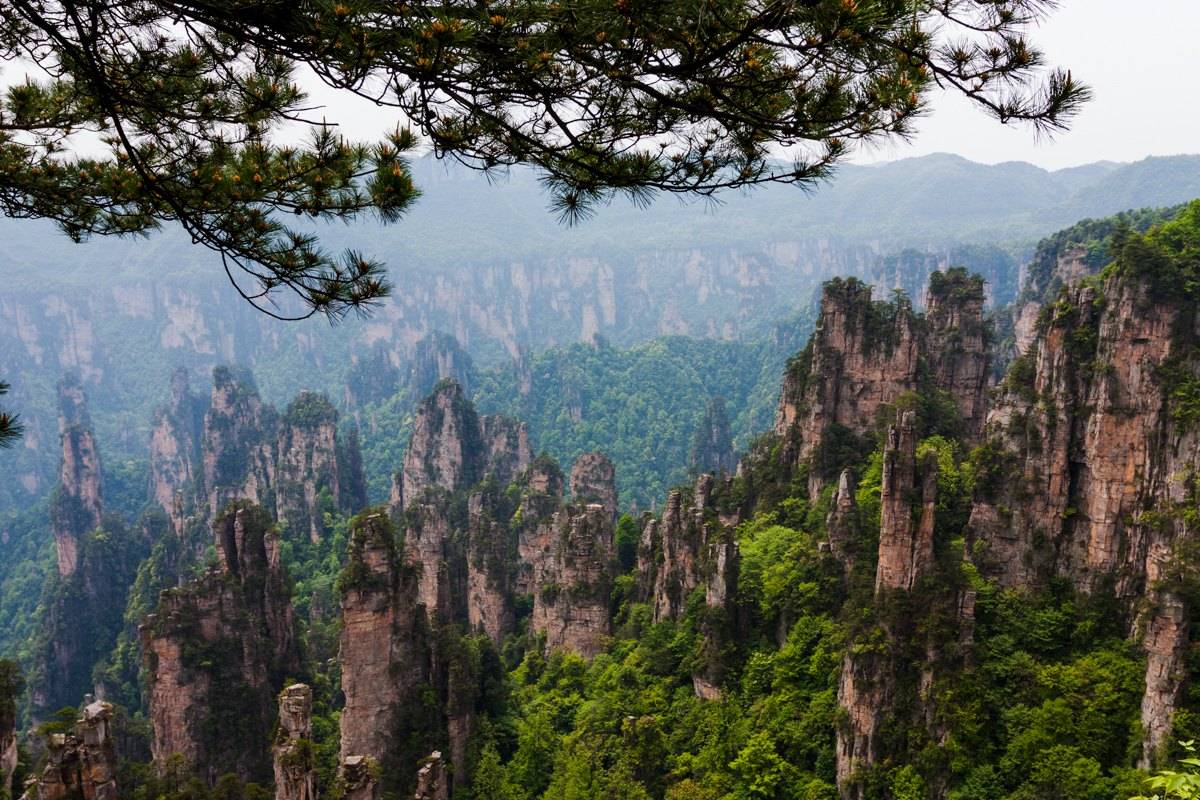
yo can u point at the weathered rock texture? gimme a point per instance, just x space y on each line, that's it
314 473
383 651
175 466
1090 464
432 781
215 649
238 448
295 774
81 764
594 480
866 354
573 579
78 505
905 533
491 566
956 343
842 523
446 450
712 445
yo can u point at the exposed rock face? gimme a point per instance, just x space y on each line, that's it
507 443
215 647
573 579
238 450
428 544
490 568
82 764
312 466
358 778
594 480
438 357
863 355
956 342
865 695
1090 463
712 446
295 776
541 498
842 522
446 450
383 650
175 466
292 465
78 506
1084 452
905 537
1166 642
432 781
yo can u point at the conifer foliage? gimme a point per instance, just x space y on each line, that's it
632 97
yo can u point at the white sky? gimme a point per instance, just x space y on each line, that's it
1142 60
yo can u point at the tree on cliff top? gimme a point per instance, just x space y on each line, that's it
603 97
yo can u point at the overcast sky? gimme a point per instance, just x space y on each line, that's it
1142 60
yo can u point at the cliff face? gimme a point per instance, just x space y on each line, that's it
446 450
573 579
905 534
175 466
81 764
956 343
1092 453
712 445
383 648
594 480
295 774
78 505
865 355
238 448
97 559
215 649
315 472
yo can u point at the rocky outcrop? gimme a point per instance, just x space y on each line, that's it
214 649
573 573
314 471
956 342
438 357
841 524
359 778
446 450
78 505
238 448
176 474
432 781
506 441
1090 449
294 758
865 696
712 444
863 355
491 567
905 533
83 763
383 648
594 480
